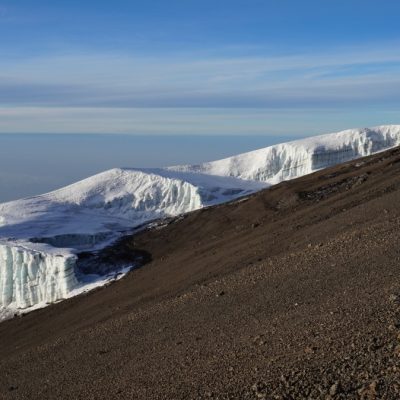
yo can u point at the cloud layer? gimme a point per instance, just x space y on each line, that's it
105 92
341 77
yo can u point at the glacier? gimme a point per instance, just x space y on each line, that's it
41 237
290 160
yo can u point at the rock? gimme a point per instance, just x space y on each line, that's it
397 350
392 298
309 350
255 387
334 389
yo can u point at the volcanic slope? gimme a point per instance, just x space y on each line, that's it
291 293
41 237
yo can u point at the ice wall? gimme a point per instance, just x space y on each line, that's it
29 277
294 159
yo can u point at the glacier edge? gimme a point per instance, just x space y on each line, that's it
29 277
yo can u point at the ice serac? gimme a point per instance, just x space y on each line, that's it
294 159
41 236
30 277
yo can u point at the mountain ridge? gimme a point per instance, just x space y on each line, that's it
93 213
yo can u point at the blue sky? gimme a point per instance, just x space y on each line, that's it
198 67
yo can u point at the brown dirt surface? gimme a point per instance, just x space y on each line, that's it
292 293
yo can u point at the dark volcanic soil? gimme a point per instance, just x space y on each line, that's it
293 293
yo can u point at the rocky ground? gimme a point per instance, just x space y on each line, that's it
293 293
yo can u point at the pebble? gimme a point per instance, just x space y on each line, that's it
334 389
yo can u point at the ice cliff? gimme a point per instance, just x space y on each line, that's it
41 236
30 277
293 159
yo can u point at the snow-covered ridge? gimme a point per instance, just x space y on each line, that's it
41 236
293 159
116 200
